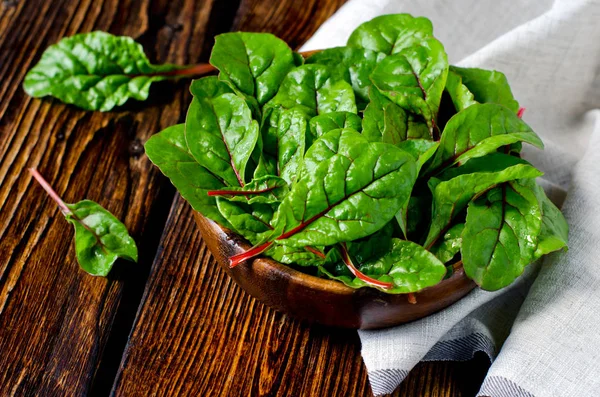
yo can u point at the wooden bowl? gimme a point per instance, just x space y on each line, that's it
327 302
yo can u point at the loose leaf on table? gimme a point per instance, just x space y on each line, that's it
459 185
408 266
554 234
461 97
268 189
316 89
500 235
98 71
100 238
221 135
284 140
320 125
415 78
168 151
254 64
487 86
384 121
390 34
479 130
346 198
354 65
449 244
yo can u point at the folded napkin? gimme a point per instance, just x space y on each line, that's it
543 332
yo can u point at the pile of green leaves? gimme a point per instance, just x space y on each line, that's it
376 164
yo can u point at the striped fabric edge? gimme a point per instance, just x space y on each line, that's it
385 381
462 349
499 386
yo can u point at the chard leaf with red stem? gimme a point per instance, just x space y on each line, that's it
100 238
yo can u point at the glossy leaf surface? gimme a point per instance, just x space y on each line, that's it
95 71
415 78
480 130
500 235
254 64
346 197
390 34
487 86
168 151
100 238
452 195
320 125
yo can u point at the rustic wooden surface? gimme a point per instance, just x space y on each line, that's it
196 333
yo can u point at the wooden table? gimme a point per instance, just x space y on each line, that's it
173 324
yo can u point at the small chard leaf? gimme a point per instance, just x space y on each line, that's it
284 140
487 86
209 87
97 71
449 244
458 186
500 235
353 65
477 131
461 97
554 234
268 189
249 220
346 198
221 135
371 247
407 266
384 121
254 64
415 78
100 238
320 125
391 34
314 88
168 151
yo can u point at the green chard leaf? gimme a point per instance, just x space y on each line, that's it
500 235
100 238
554 234
415 78
221 134
346 197
487 86
320 125
302 256
477 131
458 186
316 89
391 34
408 266
421 150
353 65
449 244
284 140
254 64
97 71
461 97
249 220
168 151
384 121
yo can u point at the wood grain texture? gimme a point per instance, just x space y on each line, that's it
63 332
55 321
198 333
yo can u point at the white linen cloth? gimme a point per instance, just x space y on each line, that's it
543 333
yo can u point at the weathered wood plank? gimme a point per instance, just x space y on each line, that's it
56 322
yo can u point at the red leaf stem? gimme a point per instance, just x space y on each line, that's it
358 274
